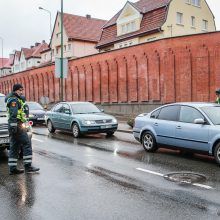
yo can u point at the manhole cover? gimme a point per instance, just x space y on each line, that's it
185 177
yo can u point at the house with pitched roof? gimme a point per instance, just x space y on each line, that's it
16 62
148 20
80 35
28 58
5 65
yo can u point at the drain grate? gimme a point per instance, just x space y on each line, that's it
185 177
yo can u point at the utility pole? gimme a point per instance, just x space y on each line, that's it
61 57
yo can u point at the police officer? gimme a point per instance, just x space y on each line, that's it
217 92
18 135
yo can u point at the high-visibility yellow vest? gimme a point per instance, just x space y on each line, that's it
20 115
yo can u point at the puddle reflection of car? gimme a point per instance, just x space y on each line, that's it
36 113
187 126
80 118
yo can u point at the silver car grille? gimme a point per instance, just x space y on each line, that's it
3 126
104 121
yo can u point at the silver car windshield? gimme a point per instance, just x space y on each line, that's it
2 104
213 112
84 108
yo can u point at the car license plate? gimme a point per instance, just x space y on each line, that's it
40 119
4 140
106 126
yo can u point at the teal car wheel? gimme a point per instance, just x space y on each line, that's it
75 130
50 127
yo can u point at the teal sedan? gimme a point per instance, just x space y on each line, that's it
80 118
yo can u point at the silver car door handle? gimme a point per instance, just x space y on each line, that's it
178 127
156 124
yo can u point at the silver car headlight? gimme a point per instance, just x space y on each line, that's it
89 122
114 120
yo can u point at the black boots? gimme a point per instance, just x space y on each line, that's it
30 169
14 170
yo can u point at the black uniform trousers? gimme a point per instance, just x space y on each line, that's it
18 140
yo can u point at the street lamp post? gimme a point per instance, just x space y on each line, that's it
50 18
50 28
61 57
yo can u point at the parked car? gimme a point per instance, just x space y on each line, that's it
36 113
188 126
80 118
4 134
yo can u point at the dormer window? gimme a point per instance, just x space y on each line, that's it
129 20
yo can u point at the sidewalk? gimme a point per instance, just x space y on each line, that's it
122 127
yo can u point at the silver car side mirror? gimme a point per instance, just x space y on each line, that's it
199 121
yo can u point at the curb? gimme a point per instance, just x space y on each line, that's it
118 130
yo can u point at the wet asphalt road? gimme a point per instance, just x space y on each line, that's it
96 177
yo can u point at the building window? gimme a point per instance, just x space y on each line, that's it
69 47
53 52
193 21
196 3
57 50
123 29
64 47
133 26
204 25
179 18
129 27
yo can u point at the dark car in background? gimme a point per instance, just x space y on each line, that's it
36 113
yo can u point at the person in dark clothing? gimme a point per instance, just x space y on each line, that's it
217 92
18 135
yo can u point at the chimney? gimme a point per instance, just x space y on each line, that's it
32 46
36 44
11 56
88 16
43 41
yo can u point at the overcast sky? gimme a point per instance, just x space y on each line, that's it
22 23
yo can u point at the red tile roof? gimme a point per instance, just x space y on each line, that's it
154 15
3 62
34 52
83 28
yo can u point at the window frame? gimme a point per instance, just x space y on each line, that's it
170 106
179 18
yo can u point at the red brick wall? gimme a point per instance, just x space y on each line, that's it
178 69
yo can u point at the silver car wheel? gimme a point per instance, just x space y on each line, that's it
217 153
148 141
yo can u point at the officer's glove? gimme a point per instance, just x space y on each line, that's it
13 128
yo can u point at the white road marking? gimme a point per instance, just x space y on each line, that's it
149 171
203 186
160 174
37 139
